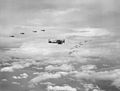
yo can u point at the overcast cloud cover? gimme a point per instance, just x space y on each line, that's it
68 13
91 49
24 15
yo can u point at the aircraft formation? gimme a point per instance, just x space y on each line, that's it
54 41
22 33
60 42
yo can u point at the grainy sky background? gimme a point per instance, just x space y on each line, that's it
91 29
71 13
16 14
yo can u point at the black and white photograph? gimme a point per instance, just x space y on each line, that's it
59 45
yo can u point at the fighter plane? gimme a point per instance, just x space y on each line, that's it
12 36
43 30
57 41
22 33
35 31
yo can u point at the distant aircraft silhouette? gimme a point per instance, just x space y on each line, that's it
56 41
35 31
12 36
43 30
22 33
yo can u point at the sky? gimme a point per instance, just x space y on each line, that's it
97 21
61 15
69 13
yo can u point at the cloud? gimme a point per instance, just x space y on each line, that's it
16 83
7 42
20 64
91 87
88 67
47 83
64 67
68 14
116 83
11 68
45 76
113 75
30 49
57 61
24 75
94 51
89 32
61 88
4 58
75 13
4 80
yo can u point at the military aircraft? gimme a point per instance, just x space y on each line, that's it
57 41
43 30
22 33
12 36
35 31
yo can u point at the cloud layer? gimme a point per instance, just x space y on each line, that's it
66 14
72 13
